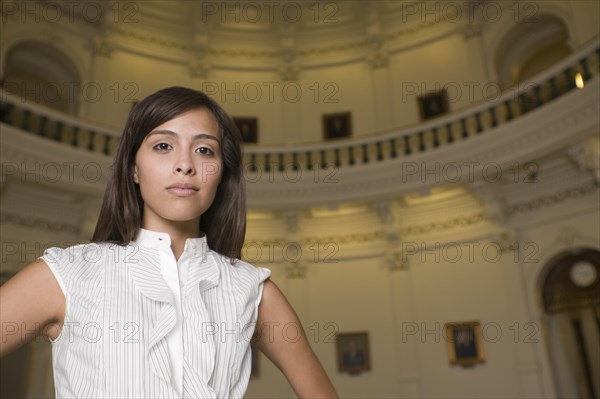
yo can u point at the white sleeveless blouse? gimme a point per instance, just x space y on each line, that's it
131 332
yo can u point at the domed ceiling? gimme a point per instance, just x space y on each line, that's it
267 34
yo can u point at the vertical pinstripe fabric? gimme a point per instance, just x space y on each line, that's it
120 312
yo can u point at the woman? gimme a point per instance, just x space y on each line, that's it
159 304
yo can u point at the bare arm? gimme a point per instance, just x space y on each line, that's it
31 304
293 357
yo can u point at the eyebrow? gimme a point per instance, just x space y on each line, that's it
196 137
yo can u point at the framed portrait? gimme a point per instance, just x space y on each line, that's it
353 352
337 126
433 104
248 128
465 344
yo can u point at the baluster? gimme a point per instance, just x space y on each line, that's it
323 160
267 162
537 95
75 137
478 122
295 161
379 151
553 88
509 111
494 116
105 149
280 166
586 70
436 139
59 133
407 150
42 127
309 164
337 157
90 145
421 142
570 78
463 126
6 113
253 162
365 157
523 103
393 152
26 120
351 155
449 134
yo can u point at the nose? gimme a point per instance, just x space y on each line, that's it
184 165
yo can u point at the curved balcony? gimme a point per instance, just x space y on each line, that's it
558 106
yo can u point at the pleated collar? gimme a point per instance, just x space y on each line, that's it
155 239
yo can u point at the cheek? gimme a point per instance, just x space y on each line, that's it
211 172
147 167
148 177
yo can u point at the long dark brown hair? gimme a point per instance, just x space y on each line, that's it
224 222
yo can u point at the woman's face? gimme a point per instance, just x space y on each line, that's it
178 168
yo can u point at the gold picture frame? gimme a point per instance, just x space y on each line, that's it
248 127
337 125
465 343
353 355
434 104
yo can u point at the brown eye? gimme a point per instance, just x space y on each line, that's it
162 147
205 151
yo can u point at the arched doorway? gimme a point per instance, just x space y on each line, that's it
43 74
571 298
529 48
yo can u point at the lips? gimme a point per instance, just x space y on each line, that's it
182 189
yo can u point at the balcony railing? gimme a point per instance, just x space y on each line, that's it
479 119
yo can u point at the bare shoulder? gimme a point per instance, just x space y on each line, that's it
273 303
31 300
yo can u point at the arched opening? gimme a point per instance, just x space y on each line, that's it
531 48
43 74
571 299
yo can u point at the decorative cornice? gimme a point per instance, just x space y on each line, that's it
382 235
353 238
449 224
555 198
